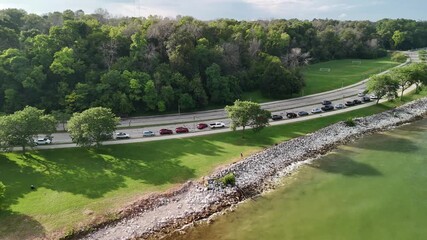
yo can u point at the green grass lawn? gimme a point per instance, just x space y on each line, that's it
78 186
343 73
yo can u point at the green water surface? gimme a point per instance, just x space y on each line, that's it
373 189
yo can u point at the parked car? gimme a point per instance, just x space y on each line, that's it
339 106
42 141
366 99
181 130
122 135
148 133
217 125
165 131
291 115
349 103
326 102
276 117
357 101
372 97
361 93
302 113
316 110
327 108
202 126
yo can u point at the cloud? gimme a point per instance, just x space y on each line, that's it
342 15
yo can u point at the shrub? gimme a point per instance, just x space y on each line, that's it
2 189
399 57
350 122
228 179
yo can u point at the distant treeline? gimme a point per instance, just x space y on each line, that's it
71 61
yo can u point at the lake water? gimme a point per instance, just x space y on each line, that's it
375 188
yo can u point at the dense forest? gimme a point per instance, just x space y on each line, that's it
71 61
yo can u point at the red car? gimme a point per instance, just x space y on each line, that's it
165 131
181 130
202 126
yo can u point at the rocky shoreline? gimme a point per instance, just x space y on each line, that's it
160 214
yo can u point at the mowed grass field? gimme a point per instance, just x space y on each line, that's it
75 187
342 73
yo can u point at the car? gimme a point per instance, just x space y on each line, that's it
357 101
181 130
42 141
122 135
276 117
339 106
148 133
349 103
202 126
327 108
291 115
361 93
366 99
217 125
326 102
316 110
372 97
302 113
165 131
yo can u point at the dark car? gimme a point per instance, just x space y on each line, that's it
165 131
276 117
181 130
327 108
326 102
349 103
357 101
202 126
302 113
291 115
366 99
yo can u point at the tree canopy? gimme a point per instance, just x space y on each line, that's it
21 127
72 61
246 113
92 126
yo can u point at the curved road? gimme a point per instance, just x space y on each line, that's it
135 126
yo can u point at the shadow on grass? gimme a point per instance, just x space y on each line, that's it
12 227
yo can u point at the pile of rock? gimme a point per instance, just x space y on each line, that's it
160 214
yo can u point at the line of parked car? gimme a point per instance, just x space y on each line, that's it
178 130
327 106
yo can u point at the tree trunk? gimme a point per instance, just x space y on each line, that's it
401 94
378 100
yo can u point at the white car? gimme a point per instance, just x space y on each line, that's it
373 97
122 135
148 133
217 125
42 141
316 110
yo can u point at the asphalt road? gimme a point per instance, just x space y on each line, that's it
135 126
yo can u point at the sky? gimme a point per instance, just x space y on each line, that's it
237 9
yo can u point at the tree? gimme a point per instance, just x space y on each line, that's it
64 62
403 76
246 113
418 74
92 126
383 85
21 127
61 117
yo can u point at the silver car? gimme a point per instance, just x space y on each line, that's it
148 133
316 110
339 106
